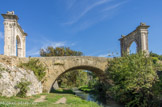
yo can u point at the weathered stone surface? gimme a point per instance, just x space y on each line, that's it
139 36
14 36
11 76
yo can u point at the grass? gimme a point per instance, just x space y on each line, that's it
51 98
63 91
86 89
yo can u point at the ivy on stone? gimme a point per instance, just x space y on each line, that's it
23 86
36 66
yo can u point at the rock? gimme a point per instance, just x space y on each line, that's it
11 76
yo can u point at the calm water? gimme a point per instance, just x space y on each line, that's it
90 97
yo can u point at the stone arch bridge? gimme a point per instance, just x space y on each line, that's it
56 66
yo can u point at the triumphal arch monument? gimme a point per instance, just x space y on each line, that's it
139 36
14 36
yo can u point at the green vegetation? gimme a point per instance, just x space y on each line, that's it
59 51
63 91
75 78
35 66
156 55
133 77
86 89
23 86
72 101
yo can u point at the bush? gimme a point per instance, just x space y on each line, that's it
35 66
155 60
133 77
23 86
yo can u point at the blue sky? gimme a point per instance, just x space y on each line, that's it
90 26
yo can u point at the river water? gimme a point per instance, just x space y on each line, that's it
91 97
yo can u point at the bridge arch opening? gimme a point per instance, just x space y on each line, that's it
96 71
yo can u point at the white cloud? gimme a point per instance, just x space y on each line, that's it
114 6
103 13
33 52
1 35
86 10
103 55
112 54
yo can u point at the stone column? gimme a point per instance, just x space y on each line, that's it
143 31
9 33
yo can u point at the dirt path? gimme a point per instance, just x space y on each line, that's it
41 99
61 101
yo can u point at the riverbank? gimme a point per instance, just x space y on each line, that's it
50 100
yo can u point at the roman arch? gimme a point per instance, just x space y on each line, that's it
57 66
14 36
139 36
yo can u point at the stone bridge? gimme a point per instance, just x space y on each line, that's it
57 66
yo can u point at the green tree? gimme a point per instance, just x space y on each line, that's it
156 55
133 77
73 78
59 51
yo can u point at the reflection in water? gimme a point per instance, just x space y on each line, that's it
90 97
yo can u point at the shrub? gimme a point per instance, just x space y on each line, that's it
133 77
35 66
155 59
23 86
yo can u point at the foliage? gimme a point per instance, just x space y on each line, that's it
85 89
73 78
156 55
35 66
92 80
23 86
133 78
155 60
63 91
59 51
